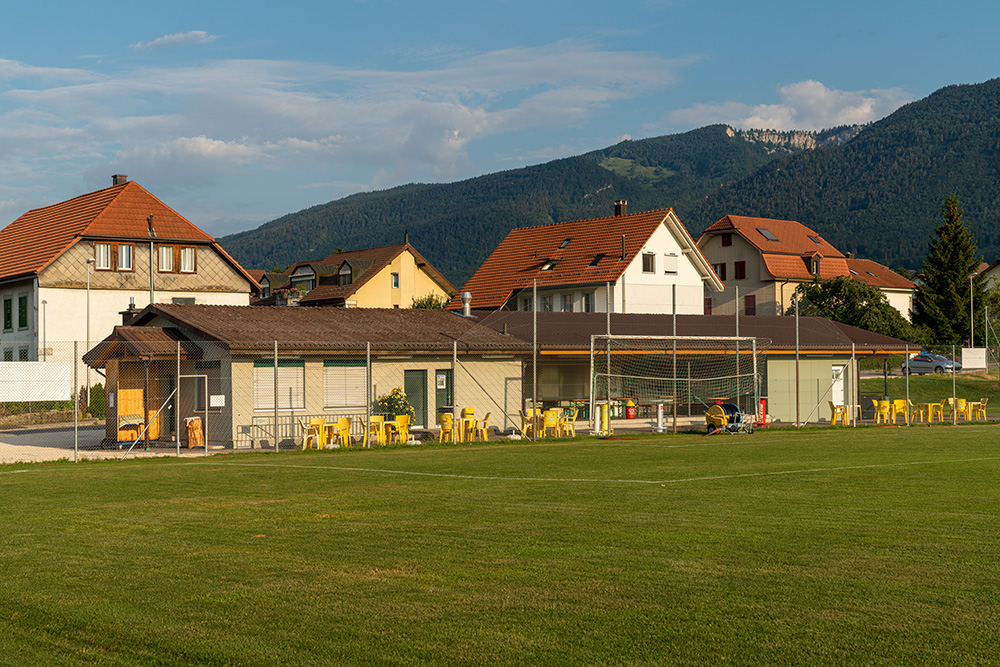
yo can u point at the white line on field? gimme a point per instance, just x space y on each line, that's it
591 480
12 472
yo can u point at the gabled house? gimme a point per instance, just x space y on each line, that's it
762 261
384 277
68 270
633 262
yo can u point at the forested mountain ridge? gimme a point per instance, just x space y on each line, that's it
456 225
875 190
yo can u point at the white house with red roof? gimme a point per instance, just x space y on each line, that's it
68 270
634 262
762 261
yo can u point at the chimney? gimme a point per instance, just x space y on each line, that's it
466 304
129 312
119 179
406 236
149 221
621 207
849 255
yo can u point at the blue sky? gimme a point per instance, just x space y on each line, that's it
235 113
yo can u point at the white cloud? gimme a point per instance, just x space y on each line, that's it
806 105
176 39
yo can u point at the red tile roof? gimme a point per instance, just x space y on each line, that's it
523 255
794 238
798 267
876 275
38 237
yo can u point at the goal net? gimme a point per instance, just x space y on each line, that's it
685 374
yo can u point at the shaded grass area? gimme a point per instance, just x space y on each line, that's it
837 546
932 388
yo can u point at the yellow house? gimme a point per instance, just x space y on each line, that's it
385 277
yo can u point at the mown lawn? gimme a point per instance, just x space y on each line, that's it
821 547
932 388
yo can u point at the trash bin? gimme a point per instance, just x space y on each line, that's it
629 410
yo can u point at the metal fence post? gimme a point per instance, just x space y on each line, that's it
454 390
954 395
76 404
275 434
906 374
177 402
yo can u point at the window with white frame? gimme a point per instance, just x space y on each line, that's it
344 382
102 255
648 262
125 253
567 303
166 255
395 281
189 259
291 385
546 305
588 302
670 261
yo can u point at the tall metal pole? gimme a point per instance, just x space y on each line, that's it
534 354
795 297
673 330
76 405
907 376
177 402
454 392
972 317
275 395
90 262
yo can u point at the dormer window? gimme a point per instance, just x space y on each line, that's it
549 265
597 259
766 233
815 266
344 276
564 243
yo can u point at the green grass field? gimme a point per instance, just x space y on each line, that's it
869 546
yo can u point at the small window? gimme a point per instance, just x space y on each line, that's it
567 303
727 239
526 305
546 304
22 354
588 302
564 243
182 300
815 240
766 233
648 262
102 256
750 305
395 281
125 253
853 272
597 259
549 265
8 314
720 270
8 354
708 305
22 312
740 270
189 260
166 255
815 265
871 274
670 263
344 276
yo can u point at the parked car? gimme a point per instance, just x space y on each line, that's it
925 362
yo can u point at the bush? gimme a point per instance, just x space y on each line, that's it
98 401
395 403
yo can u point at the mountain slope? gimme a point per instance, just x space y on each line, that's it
880 195
456 225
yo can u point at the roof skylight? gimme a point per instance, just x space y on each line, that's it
853 272
871 274
766 233
815 240
549 265
597 258
565 243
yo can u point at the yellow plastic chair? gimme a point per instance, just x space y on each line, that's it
899 409
567 425
937 409
882 412
310 434
526 423
375 428
401 432
550 423
320 424
981 409
837 413
447 424
343 432
481 426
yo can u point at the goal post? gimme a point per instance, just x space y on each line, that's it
684 374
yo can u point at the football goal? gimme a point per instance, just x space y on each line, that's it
684 374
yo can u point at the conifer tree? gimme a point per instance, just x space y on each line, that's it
942 301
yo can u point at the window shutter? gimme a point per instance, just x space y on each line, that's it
291 385
344 384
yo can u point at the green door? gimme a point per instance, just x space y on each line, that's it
444 396
415 387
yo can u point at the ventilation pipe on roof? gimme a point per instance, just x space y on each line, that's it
623 247
119 179
406 236
466 304
621 207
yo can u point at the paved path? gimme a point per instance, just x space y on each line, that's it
35 443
